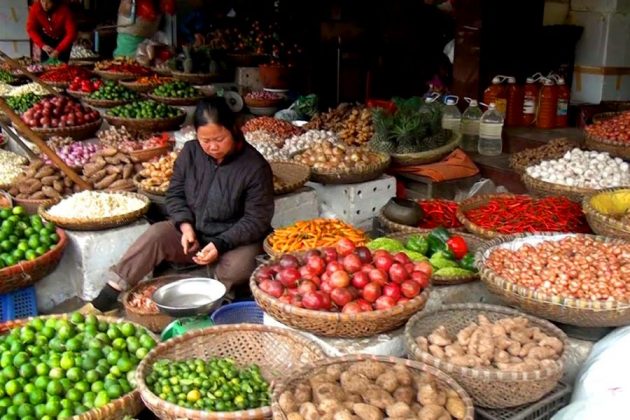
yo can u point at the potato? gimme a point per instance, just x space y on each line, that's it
415 407
404 394
378 397
399 409
369 368
456 407
367 412
440 337
36 164
437 351
387 381
303 393
433 412
354 383
294 416
321 378
105 182
309 412
287 402
330 406
353 398
423 343
327 391
342 415
50 192
429 394
403 375
334 371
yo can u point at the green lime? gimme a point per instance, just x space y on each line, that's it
89 363
147 341
97 386
20 359
40 410
80 409
8 225
45 241
27 371
56 373
54 238
23 246
66 413
82 387
53 407
91 319
102 326
114 391
18 210
141 353
101 399
40 250
10 372
74 374
74 395
77 318
92 376
113 357
74 344
67 361
54 387
124 364
26 410
18 254
119 343
20 398
14 240
37 396
115 372
41 382
10 261
133 344
5 213
88 399
128 329
6 245
42 369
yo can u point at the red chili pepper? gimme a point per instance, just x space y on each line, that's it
439 212
458 246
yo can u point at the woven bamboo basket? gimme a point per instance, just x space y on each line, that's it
602 116
571 311
334 324
292 175
397 227
27 273
430 156
153 320
145 155
58 85
32 206
275 254
415 367
366 173
80 132
194 78
603 224
153 125
162 71
142 87
277 351
540 188
83 62
104 103
262 103
177 101
128 405
473 242
97 224
520 164
143 188
616 149
115 75
488 387
77 93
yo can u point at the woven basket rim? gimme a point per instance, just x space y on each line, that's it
151 190
176 101
106 103
559 189
610 222
127 295
144 120
409 158
59 246
488 374
155 353
135 83
442 377
397 227
278 167
34 201
70 130
117 74
489 276
77 93
380 166
183 73
78 223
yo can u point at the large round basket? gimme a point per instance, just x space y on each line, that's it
194 78
141 87
32 206
98 224
262 103
104 103
162 71
277 351
129 405
58 85
540 188
488 387
366 173
603 116
77 93
155 124
27 273
115 75
292 176
430 156
555 149
151 190
571 311
145 155
616 149
177 101
603 224
394 227
416 368
473 242
80 132
334 324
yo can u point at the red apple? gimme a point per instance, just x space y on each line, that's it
360 279
410 289
397 273
286 299
352 263
371 292
367 268
392 290
351 308
421 278
340 279
380 253
325 298
289 276
312 253
364 254
316 280
345 247
341 296
364 305
378 276
326 287
403 300
306 286
354 291
272 287
312 300
409 267
275 268
293 291
305 272
383 303
402 258
325 277
297 301
264 273
330 254
334 266
423 266
383 262
289 261
316 264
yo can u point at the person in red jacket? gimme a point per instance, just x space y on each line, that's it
51 26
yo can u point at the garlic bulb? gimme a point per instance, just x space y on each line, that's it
298 144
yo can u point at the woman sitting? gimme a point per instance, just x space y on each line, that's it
220 203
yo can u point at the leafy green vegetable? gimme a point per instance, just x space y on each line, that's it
441 260
306 106
417 243
452 272
387 244
414 256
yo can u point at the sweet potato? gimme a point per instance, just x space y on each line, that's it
98 176
369 368
399 409
387 381
127 170
105 182
45 171
48 180
58 186
113 169
50 192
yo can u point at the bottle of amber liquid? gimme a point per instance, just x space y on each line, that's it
547 105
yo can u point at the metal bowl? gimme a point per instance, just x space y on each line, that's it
189 297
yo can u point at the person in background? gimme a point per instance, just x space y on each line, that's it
132 30
220 203
51 27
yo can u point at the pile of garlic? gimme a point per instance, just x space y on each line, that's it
583 169
34 88
92 205
262 137
298 144
11 166
270 152
79 51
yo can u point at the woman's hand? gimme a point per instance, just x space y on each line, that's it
54 54
207 255
48 49
189 239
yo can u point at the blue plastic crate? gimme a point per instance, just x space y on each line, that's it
18 304
238 313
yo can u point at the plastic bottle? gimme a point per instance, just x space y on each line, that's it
490 130
470 126
547 105
562 109
451 117
496 93
514 103
530 101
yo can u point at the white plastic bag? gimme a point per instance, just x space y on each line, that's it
483 186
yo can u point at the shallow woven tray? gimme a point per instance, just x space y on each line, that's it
27 273
277 351
158 124
397 227
151 190
140 88
32 206
81 132
104 103
489 388
262 103
520 167
58 85
334 324
616 149
577 312
194 78
603 224
430 156
367 173
128 405
417 367
473 242
146 155
602 116
100 224
293 176
540 188
115 75
162 71
177 101
77 94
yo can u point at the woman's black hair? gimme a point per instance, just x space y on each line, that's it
215 110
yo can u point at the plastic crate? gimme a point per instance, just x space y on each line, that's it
18 304
540 410
238 313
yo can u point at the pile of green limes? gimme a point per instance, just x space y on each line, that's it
214 385
144 110
22 103
24 237
56 368
112 91
176 89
